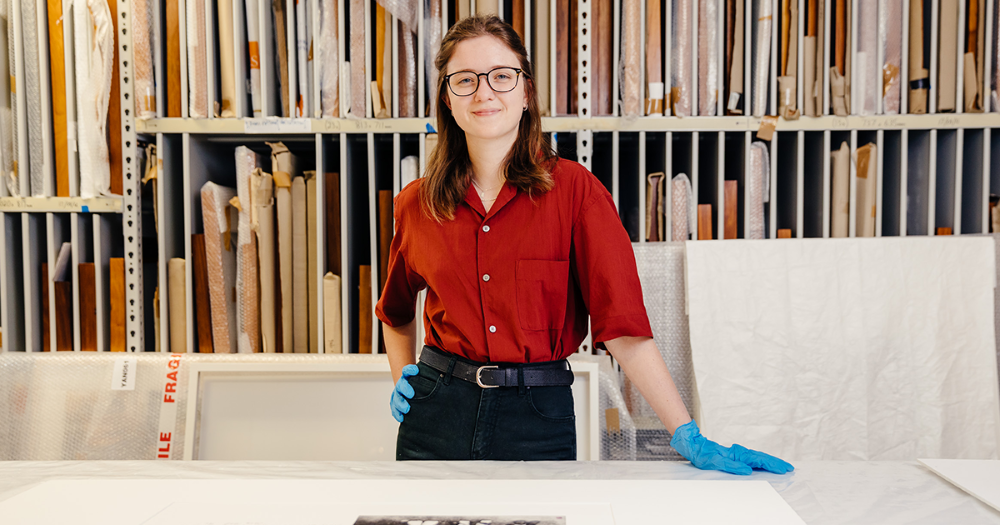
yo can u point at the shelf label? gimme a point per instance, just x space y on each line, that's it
60 204
277 125
123 377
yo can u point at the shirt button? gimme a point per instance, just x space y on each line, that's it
486 228
493 329
486 277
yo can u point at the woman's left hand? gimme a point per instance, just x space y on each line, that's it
709 455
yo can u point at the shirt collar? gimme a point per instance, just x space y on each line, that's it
507 192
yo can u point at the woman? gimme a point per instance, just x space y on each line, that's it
516 248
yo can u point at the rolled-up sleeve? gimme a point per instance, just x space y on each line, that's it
605 268
397 305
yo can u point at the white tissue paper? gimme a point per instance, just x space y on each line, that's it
836 349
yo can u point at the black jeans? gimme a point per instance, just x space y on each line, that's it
452 419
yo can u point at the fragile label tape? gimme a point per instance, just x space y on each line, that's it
165 442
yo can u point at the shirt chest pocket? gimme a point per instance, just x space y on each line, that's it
541 293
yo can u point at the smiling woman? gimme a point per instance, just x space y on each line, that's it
519 251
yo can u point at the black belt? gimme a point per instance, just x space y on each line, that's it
552 373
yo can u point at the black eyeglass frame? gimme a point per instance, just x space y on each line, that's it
518 71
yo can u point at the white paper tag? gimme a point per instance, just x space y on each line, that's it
277 125
656 90
734 100
123 378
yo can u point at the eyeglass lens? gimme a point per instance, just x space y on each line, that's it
500 80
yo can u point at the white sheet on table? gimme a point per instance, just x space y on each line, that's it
978 477
873 349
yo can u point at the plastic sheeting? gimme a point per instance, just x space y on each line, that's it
847 348
8 115
868 80
33 95
197 60
247 292
94 94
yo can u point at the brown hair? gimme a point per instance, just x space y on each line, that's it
449 168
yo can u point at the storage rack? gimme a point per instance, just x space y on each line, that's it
943 162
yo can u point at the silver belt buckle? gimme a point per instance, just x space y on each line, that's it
479 381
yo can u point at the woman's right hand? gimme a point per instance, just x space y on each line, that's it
402 392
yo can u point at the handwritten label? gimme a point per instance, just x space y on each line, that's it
331 125
948 122
881 123
840 123
123 377
277 125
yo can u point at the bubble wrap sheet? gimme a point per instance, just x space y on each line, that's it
632 68
61 406
868 79
197 60
661 273
890 27
219 220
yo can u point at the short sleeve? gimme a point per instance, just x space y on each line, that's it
606 271
397 305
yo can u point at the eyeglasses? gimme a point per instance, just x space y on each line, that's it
500 80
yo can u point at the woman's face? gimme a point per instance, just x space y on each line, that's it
486 114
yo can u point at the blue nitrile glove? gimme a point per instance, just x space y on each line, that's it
402 392
709 455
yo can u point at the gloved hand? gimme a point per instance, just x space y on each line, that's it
402 392
709 455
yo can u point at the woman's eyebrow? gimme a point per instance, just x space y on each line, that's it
488 70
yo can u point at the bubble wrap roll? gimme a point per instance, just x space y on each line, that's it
682 206
890 19
95 95
227 59
329 63
404 10
407 71
708 57
631 45
358 70
760 69
197 60
8 110
432 33
142 58
300 268
617 444
869 80
219 219
680 69
247 293
757 189
33 94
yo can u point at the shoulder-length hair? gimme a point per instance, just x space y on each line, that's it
449 168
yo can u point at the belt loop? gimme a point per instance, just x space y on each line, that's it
451 369
520 380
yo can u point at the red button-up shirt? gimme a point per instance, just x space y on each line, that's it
516 284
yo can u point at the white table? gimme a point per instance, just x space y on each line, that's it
821 492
